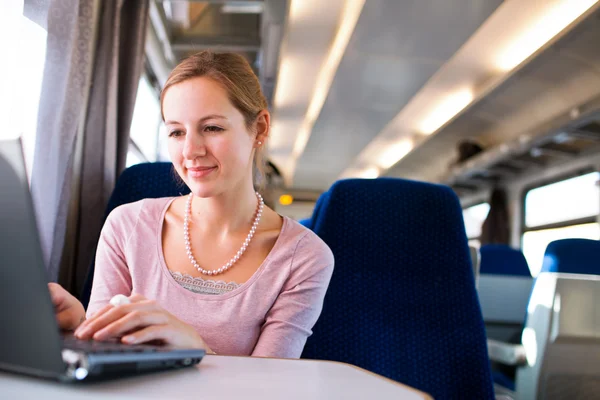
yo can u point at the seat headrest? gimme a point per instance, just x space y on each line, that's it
500 259
146 180
573 256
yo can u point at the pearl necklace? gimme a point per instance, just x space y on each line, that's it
238 255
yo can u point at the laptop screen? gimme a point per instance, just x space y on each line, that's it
29 333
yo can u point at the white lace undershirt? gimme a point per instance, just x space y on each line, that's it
202 286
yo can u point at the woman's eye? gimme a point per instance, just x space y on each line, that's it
213 128
175 133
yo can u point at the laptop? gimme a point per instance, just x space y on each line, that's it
30 339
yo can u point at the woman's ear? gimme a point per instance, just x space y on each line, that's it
263 126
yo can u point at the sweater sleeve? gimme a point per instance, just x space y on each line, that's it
290 320
111 273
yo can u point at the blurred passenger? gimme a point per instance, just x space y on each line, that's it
496 227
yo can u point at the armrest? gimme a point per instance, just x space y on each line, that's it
505 353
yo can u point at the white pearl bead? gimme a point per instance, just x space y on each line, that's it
230 263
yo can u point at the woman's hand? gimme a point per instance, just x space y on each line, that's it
69 311
138 322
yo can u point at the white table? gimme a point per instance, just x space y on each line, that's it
222 377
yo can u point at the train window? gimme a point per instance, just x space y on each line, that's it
23 49
144 125
567 200
163 149
474 217
560 210
134 156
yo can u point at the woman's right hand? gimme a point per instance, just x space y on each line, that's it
69 311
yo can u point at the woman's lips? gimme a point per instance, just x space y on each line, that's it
200 172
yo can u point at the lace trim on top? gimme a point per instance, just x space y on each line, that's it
201 286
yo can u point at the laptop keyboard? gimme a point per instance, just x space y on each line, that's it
92 346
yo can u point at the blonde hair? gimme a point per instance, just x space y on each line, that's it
238 79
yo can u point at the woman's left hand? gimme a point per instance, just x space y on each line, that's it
140 321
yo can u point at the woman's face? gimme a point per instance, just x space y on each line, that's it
209 143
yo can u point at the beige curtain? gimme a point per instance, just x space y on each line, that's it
94 59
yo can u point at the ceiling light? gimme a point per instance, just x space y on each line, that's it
302 136
315 105
284 83
299 9
539 32
369 173
446 110
243 7
350 14
394 153
286 199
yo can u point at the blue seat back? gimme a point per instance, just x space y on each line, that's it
505 284
141 181
573 256
305 222
402 299
499 259
309 222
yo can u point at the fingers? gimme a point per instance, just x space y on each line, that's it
109 314
155 332
67 320
87 322
133 320
176 335
136 298
97 314
57 294
54 289
68 310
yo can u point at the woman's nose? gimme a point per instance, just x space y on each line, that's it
194 146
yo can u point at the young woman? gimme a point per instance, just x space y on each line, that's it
216 269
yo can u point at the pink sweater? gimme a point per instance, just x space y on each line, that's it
270 315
